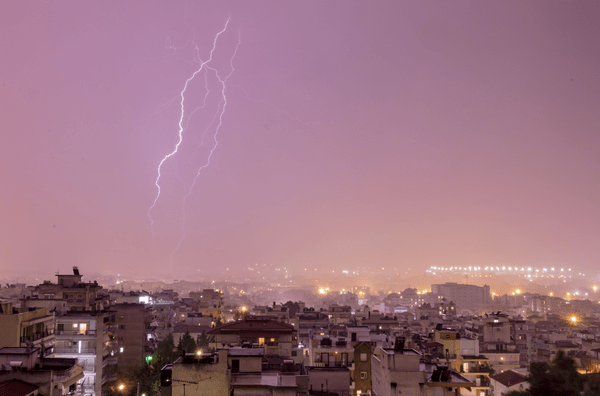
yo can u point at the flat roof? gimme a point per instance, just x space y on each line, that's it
403 352
245 352
18 351
15 387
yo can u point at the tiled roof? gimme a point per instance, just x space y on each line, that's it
254 325
509 378
16 387
182 328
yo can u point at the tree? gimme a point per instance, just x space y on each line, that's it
202 341
559 379
239 315
187 343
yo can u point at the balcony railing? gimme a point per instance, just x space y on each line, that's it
65 375
332 364
481 382
36 336
263 379
481 369
74 349
76 332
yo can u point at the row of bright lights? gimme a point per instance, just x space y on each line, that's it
496 269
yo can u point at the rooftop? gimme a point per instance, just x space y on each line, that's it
509 378
18 351
16 387
245 351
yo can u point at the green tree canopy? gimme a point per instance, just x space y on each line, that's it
187 343
558 379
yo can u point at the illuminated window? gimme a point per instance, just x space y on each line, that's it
74 325
261 341
121 349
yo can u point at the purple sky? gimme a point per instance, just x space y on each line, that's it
402 133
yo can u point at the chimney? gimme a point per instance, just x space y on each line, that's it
75 270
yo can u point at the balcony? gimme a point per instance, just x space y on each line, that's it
481 382
443 356
68 376
91 333
264 380
36 336
109 361
332 364
75 350
476 370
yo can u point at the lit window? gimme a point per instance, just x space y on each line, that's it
121 349
74 325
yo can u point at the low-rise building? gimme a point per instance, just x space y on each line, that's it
508 381
276 337
52 376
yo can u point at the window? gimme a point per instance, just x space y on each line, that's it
363 357
294 353
363 375
121 349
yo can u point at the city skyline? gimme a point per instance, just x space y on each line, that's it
407 135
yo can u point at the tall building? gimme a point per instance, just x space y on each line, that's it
464 296
82 336
80 331
131 323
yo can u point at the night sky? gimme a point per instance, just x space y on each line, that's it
354 134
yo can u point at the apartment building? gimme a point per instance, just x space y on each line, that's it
276 337
466 297
50 376
233 371
33 328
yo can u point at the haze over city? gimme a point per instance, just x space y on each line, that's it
324 136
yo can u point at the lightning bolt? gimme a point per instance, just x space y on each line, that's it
203 66
218 117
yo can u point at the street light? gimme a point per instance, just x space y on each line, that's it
121 387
